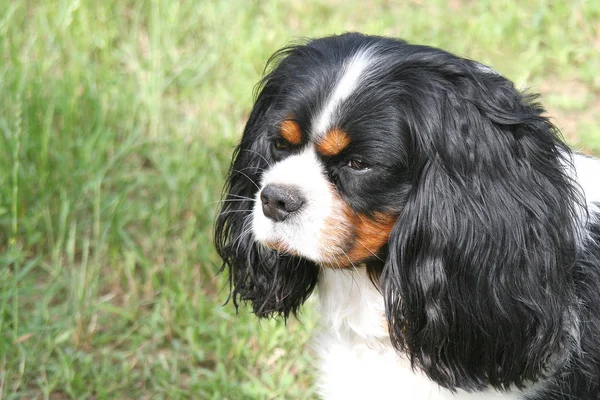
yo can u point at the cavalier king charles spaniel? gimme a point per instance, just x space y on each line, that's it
452 237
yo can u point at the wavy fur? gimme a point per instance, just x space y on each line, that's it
490 279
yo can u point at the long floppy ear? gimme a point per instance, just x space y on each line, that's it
478 279
275 284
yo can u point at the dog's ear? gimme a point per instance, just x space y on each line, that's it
478 277
275 284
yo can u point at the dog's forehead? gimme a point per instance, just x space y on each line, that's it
353 72
340 103
320 120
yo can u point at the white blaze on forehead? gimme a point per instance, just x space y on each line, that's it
354 69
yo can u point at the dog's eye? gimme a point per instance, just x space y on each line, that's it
357 164
280 144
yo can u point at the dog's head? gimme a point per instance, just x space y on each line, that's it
431 170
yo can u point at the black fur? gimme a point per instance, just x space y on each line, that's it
274 283
481 260
491 276
579 378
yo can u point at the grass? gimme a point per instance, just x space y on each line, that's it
117 122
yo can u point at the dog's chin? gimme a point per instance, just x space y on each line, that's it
284 247
336 259
281 247
298 246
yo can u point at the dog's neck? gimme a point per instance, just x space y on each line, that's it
352 305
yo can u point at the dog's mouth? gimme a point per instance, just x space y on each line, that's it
343 240
307 236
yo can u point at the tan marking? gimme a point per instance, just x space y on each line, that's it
351 237
370 234
290 131
333 143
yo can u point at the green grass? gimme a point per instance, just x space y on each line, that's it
117 122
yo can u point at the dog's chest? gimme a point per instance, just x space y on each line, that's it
356 357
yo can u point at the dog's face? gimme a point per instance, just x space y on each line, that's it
308 206
429 169
332 189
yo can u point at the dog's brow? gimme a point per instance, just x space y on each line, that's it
333 143
290 131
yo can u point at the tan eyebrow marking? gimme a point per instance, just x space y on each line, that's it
333 143
290 131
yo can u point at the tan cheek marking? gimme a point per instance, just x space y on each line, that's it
351 237
290 131
337 235
333 143
371 234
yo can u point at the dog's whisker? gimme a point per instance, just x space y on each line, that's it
254 167
370 251
260 155
235 211
245 232
246 175
349 260
224 201
233 201
240 197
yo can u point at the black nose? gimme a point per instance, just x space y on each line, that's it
279 201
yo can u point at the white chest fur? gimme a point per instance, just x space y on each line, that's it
357 360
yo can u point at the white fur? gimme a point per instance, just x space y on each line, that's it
353 72
356 357
588 176
305 231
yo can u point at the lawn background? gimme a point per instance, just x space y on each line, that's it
117 122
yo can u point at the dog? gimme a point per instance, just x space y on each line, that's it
451 234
